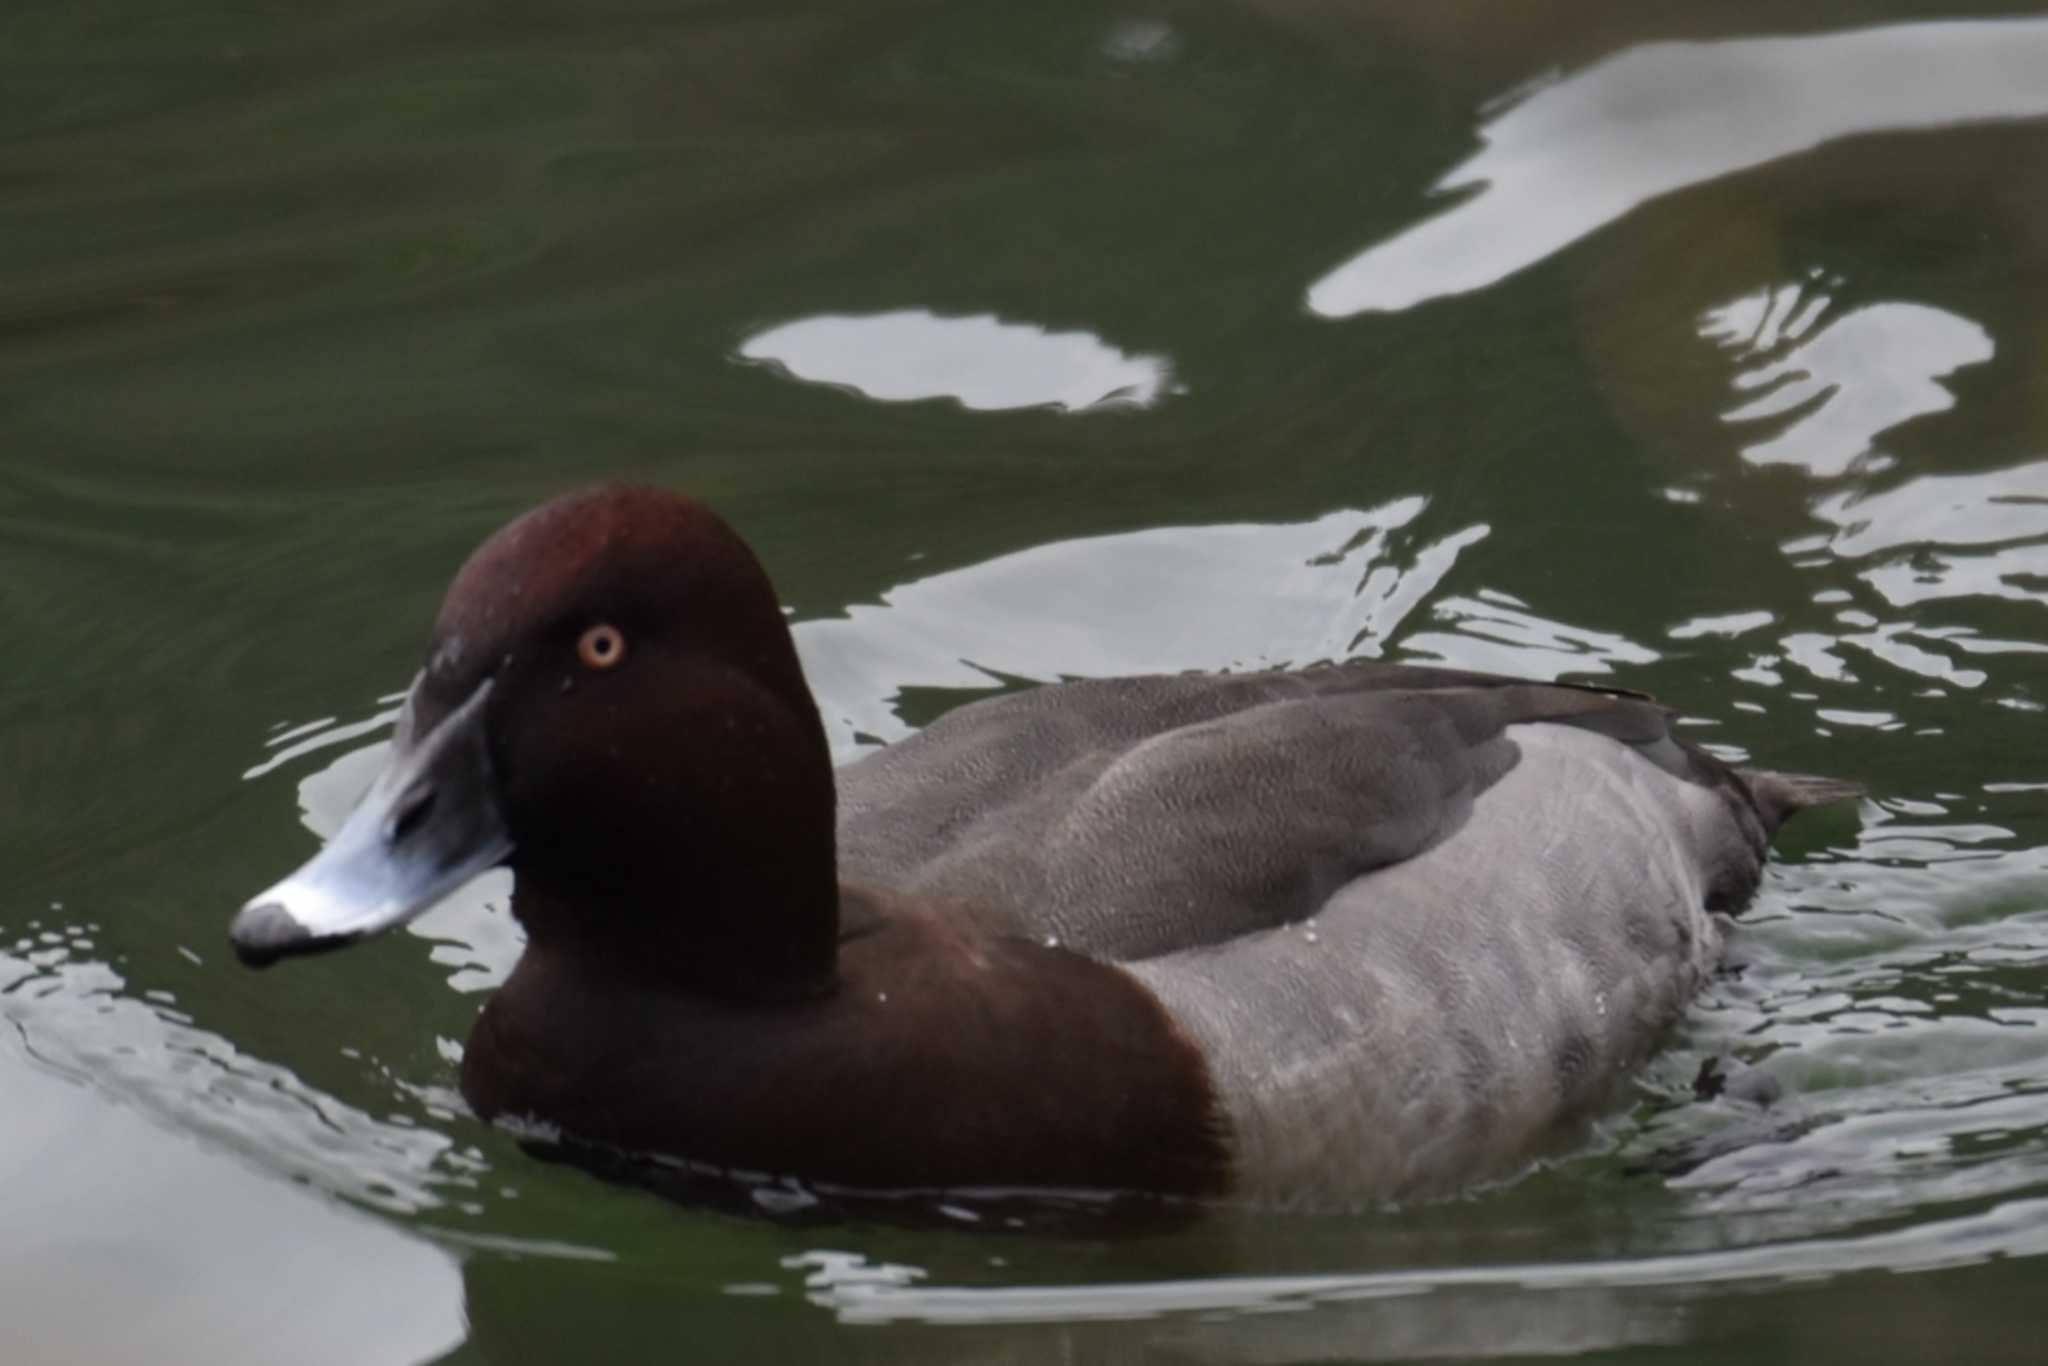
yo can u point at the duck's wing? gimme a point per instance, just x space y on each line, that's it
1129 818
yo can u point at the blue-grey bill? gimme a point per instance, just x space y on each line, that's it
427 825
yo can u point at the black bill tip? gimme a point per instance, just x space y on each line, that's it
264 932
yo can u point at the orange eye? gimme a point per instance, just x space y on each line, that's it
601 647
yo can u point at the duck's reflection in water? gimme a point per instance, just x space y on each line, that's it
1787 1294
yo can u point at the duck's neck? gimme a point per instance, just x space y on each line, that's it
771 941
719 880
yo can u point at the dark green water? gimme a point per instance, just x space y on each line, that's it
1722 375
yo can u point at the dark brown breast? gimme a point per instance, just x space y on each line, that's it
941 1057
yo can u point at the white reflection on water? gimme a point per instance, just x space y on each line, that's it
1576 155
1728 625
853 1291
1918 529
1988 509
1838 383
1495 633
1866 372
75 1014
982 361
1397 1316
1164 599
140 1128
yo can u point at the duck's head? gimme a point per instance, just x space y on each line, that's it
612 706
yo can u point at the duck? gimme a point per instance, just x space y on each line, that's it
1335 937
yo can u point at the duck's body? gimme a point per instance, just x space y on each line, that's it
1413 920
1349 934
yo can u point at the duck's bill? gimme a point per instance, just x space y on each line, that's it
427 825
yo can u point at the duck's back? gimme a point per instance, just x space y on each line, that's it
1413 918
1132 817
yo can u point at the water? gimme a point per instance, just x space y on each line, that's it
1698 348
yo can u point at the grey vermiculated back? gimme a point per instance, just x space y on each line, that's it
1137 816
1416 919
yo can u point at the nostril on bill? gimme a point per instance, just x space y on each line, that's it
415 807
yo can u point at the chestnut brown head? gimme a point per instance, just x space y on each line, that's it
611 704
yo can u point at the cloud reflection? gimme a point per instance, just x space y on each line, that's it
1992 508
1922 532
982 361
1576 155
140 1127
1867 371
1243 596
1841 382
1495 633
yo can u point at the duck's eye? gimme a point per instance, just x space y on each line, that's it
602 646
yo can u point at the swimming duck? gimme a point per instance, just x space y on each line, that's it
1349 934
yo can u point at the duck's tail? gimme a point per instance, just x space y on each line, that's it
1781 796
